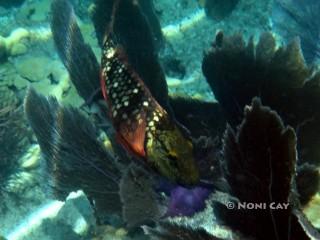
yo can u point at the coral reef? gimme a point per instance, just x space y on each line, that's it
13 136
301 19
19 40
11 45
267 153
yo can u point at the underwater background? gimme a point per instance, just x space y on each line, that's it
236 82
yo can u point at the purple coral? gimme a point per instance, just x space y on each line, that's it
186 202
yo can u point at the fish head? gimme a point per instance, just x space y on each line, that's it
171 153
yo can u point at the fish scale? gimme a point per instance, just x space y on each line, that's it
142 126
129 100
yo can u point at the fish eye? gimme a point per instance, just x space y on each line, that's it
173 161
172 157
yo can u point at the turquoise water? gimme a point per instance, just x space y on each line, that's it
159 119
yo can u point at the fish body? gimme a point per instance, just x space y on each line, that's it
143 127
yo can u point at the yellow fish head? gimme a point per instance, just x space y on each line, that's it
171 154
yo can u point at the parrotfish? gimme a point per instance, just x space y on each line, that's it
142 126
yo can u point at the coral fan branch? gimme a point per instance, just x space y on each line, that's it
75 158
76 55
260 168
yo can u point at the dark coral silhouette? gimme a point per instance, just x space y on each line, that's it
237 71
260 161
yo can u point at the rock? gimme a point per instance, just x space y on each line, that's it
173 82
36 68
11 45
77 213
107 232
36 11
312 211
73 219
18 49
32 158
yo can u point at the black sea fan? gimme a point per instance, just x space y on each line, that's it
260 161
75 158
13 135
238 71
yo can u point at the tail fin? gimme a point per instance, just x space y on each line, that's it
76 55
75 159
